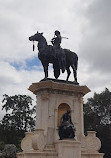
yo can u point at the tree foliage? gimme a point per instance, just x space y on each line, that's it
19 118
97 116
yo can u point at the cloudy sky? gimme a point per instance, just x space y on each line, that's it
87 24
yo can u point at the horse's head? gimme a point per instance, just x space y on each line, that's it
36 37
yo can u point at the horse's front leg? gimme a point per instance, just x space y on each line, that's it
68 73
46 71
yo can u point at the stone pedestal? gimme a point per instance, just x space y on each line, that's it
68 149
53 100
51 96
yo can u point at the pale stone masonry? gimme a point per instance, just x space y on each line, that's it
44 142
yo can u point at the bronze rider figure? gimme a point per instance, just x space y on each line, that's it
58 51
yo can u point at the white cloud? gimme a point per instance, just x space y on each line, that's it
86 23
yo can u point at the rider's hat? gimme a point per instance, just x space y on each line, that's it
57 32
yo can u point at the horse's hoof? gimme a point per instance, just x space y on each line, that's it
63 71
45 78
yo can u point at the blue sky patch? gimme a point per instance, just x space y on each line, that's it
29 64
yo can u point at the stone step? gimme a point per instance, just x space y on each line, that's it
50 148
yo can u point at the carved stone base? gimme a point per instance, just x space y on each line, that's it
48 152
92 155
68 149
35 154
54 98
90 146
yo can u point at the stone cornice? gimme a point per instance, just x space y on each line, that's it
56 86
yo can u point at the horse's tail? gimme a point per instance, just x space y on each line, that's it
71 57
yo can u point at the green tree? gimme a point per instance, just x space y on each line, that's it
97 116
19 118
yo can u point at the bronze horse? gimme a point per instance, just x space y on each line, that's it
46 56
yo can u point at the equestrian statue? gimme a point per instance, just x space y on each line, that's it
61 58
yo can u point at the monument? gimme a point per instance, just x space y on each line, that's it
59 129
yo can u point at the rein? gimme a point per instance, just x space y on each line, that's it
33 46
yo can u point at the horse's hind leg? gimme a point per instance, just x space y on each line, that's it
74 72
68 73
46 71
75 75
